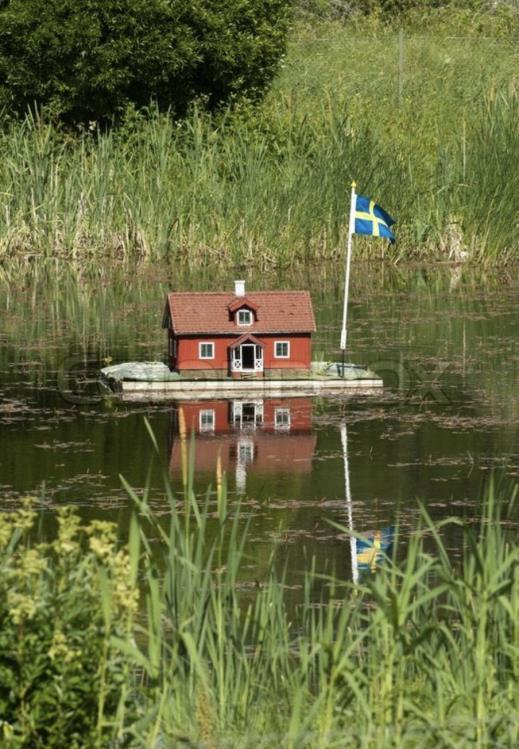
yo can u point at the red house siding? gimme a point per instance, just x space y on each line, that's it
188 357
273 453
300 352
191 412
274 450
300 414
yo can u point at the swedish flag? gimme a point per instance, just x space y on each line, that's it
372 549
371 219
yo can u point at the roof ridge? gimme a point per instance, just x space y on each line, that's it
232 294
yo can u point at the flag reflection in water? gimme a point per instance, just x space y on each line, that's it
373 548
367 550
257 436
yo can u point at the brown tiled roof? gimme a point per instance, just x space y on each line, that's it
208 312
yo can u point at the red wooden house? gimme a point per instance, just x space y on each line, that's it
239 333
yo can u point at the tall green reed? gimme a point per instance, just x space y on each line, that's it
424 653
269 185
421 654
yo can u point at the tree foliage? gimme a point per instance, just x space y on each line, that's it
89 60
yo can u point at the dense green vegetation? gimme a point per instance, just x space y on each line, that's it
87 62
425 123
423 654
475 14
428 125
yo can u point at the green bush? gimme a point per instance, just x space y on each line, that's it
61 683
88 61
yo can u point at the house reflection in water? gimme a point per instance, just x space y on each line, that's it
263 437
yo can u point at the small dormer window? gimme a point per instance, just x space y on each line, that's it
244 317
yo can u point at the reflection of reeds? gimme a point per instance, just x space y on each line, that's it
51 319
183 442
270 185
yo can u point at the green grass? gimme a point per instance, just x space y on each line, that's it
425 653
429 127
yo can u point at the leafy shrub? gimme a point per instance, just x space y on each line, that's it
61 682
88 61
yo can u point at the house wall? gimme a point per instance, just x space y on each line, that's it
300 414
191 412
300 352
275 451
187 357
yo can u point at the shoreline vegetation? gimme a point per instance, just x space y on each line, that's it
164 640
425 118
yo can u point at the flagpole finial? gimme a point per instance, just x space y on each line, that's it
353 184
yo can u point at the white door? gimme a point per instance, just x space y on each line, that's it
247 358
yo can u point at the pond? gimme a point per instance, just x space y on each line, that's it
446 424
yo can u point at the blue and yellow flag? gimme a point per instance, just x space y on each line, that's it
371 219
372 549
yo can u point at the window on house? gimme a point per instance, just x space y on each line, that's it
206 420
244 317
206 350
282 418
282 349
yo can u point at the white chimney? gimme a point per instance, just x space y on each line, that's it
239 288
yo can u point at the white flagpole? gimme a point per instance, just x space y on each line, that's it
351 229
349 505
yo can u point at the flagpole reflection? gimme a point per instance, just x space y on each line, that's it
349 504
368 551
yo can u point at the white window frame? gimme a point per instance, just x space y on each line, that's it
285 414
237 413
245 451
281 356
250 317
205 343
206 426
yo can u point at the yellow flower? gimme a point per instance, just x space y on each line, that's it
126 594
68 523
6 528
103 538
31 563
20 606
24 518
59 650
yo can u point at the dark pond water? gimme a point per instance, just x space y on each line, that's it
446 344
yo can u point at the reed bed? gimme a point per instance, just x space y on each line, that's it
426 124
180 648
